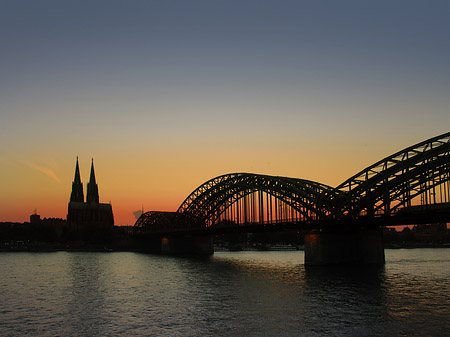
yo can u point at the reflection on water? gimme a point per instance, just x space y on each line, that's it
247 293
86 293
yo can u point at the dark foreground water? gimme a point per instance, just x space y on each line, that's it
229 294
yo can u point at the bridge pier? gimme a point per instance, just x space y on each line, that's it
351 247
187 245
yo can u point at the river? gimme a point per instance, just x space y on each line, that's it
228 294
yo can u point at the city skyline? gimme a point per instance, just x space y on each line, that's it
165 96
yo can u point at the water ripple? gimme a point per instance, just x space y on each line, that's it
245 293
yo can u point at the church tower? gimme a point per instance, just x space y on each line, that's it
88 220
92 188
77 187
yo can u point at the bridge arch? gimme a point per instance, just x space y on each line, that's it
416 176
419 174
155 221
246 198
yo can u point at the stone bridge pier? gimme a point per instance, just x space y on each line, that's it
357 246
187 244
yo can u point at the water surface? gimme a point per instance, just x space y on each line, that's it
247 293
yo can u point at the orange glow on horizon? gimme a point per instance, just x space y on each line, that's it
163 178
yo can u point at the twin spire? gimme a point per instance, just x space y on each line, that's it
92 188
77 187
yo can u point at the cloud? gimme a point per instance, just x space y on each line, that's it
137 214
48 172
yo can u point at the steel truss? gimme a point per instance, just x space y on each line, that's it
396 182
416 176
245 197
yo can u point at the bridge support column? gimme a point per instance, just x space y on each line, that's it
187 245
355 246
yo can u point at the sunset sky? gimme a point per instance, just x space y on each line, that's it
167 94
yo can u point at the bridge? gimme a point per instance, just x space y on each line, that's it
409 187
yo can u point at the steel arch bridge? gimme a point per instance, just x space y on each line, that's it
414 180
419 171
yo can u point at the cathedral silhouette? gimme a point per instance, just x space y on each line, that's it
90 217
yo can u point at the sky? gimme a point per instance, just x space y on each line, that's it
167 94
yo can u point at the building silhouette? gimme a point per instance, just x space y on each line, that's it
90 219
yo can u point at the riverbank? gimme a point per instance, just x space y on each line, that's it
135 246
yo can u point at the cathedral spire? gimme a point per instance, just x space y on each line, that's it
92 188
77 187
